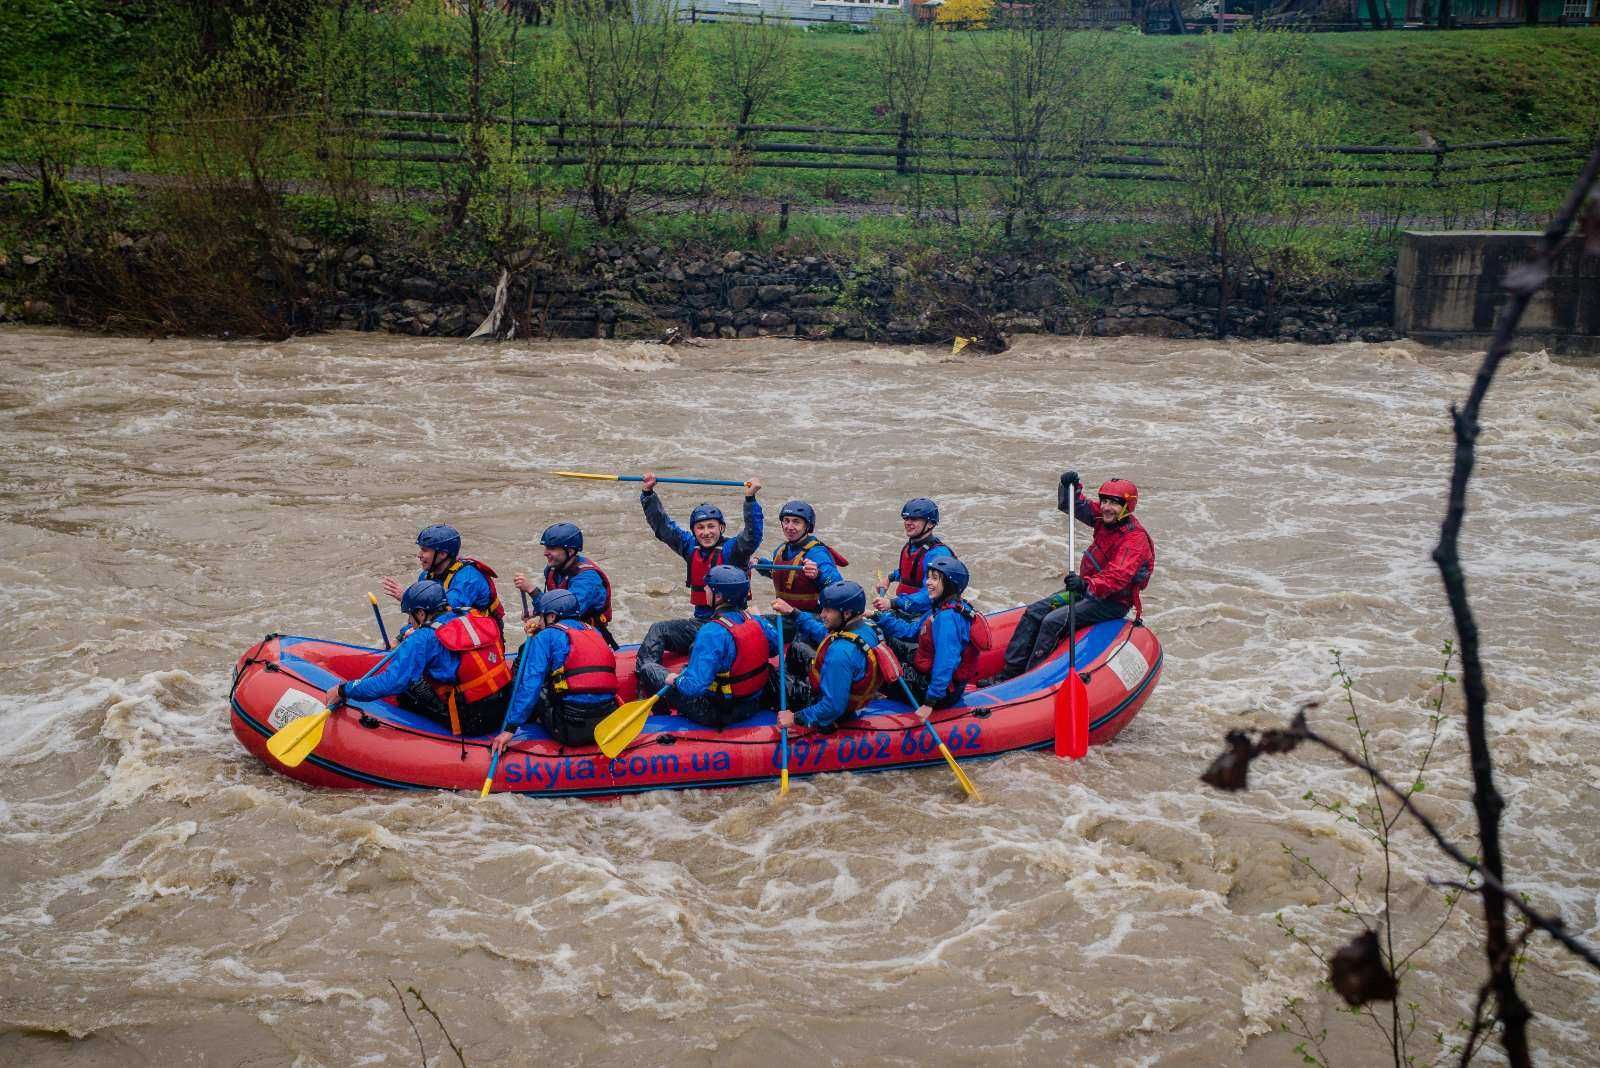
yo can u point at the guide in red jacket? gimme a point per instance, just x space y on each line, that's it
1115 568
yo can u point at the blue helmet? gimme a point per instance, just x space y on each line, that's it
562 536
729 583
563 604
424 596
441 539
920 508
845 596
706 511
800 510
956 575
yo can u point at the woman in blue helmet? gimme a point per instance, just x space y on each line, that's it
468 583
703 546
728 674
918 516
938 650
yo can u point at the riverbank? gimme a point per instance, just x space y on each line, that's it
127 281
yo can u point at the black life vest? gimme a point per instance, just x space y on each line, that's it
914 564
793 586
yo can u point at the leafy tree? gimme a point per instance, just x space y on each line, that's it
964 14
1246 120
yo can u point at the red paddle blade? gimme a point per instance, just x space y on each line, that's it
1072 718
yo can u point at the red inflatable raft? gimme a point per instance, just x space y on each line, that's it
378 744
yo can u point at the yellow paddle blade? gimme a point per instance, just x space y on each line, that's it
623 726
296 739
483 793
958 344
961 776
585 474
783 782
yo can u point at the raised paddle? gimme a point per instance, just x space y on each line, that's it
298 738
767 565
783 706
614 732
659 478
961 776
1072 700
527 609
382 630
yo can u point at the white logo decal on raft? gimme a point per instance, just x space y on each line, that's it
1130 665
290 707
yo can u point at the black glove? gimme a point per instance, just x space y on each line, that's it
1075 584
338 696
1070 478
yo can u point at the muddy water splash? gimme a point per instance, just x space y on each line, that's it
163 898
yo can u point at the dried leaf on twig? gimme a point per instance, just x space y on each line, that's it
1231 770
1358 973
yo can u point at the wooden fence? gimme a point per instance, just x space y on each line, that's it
560 142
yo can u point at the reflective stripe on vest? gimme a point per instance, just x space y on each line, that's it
913 565
562 580
863 689
747 675
967 668
494 607
483 671
794 586
590 666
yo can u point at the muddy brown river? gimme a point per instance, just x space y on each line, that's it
165 899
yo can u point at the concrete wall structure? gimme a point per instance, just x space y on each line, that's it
1447 291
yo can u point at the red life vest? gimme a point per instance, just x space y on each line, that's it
747 675
483 671
561 580
591 664
967 668
701 561
1123 558
793 586
913 565
862 690
494 608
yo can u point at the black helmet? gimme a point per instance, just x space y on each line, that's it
955 573
441 539
424 596
563 604
920 508
802 511
845 596
729 583
562 536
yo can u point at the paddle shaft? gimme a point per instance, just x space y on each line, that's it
661 478
494 762
768 565
944 750
527 609
783 706
382 630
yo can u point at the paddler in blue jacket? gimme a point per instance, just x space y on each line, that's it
938 652
468 583
918 516
425 671
566 568
728 673
819 562
705 545
843 675
566 675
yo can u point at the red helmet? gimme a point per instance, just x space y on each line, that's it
1121 487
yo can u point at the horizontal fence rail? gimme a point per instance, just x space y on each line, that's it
560 142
